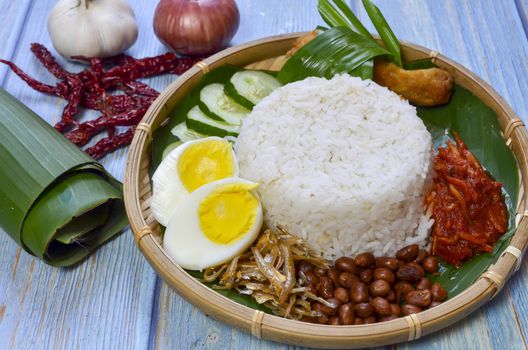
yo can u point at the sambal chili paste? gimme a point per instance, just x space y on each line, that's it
467 206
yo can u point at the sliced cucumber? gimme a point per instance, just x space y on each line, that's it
184 134
217 105
201 123
253 85
169 148
230 91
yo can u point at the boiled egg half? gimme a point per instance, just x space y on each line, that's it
217 222
187 168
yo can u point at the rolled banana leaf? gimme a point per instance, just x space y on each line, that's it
55 201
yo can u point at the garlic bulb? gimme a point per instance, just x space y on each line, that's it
92 28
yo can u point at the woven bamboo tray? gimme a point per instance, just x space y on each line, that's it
267 54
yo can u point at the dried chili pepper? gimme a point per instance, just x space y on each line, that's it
147 67
111 143
136 87
90 89
87 130
48 61
34 84
71 109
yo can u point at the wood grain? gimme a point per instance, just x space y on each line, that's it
522 9
114 300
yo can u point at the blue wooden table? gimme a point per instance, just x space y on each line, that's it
114 300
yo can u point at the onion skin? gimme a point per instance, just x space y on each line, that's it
196 27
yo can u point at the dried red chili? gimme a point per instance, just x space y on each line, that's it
71 109
48 61
34 84
90 89
111 143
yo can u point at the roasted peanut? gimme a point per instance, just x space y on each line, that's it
395 309
364 259
408 309
346 264
408 253
379 288
410 272
430 264
402 288
383 273
381 306
438 292
325 287
366 289
334 273
341 294
421 298
347 278
363 309
423 283
390 263
359 292
366 276
346 314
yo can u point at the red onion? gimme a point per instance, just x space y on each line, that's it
196 27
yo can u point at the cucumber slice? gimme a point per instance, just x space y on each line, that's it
254 85
184 134
230 91
169 148
201 123
217 105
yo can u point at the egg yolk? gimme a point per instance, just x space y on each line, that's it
228 212
205 162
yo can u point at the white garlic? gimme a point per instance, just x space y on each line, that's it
92 28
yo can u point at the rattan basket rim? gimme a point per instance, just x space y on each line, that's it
147 236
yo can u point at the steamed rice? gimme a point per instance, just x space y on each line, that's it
340 162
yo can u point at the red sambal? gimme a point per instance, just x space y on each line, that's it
467 206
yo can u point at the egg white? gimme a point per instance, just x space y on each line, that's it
167 188
185 242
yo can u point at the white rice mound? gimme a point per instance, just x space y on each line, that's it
342 163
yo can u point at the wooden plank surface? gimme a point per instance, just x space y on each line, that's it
115 300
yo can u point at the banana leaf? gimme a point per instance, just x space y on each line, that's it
336 50
56 202
336 13
389 39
